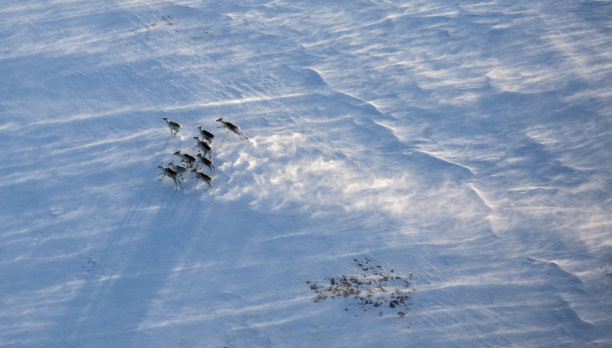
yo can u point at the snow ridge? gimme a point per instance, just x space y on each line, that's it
465 143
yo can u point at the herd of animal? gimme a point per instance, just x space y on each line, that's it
203 157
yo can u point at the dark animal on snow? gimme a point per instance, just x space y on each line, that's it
208 136
166 171
207 162
203 177
179 169
175 127
202 146
186 159
231 127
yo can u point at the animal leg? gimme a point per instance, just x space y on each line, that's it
177 182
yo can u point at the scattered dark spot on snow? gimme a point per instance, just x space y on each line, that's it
201 35
379 289
90 265
168 20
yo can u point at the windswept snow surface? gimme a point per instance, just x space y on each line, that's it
466 143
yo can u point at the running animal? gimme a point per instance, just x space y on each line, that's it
179 169
203 177
175 127
166 171
186 159
208 136
231 127
203 146
207 162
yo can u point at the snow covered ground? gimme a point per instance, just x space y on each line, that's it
464 145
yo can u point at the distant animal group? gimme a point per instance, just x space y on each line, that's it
203 157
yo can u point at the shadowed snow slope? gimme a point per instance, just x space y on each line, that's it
464 143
